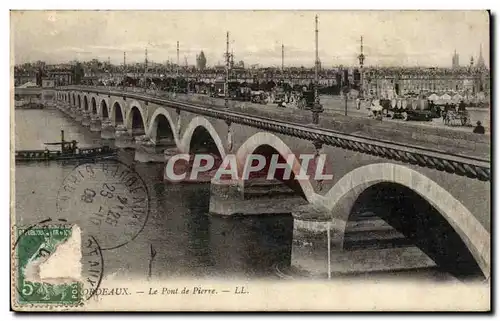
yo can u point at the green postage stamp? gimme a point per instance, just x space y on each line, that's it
34 248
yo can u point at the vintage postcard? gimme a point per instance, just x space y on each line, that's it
250 161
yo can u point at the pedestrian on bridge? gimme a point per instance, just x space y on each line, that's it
479 129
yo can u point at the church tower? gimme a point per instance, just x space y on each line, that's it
455 62
480 61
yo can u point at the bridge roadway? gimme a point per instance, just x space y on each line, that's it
432 163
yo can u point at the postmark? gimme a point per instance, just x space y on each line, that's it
35 244
109 200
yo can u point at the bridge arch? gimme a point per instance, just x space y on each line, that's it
343 195
94 106
103 111
135 118
161 117
85 103
117 114
259 140
194 125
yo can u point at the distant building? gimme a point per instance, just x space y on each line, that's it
61 77
480 61
455 61
48 82
404 81
25 77
397 81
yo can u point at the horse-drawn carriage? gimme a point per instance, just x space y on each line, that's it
306 99
405 109
456 116
258 97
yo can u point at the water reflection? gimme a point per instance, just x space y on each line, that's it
251 245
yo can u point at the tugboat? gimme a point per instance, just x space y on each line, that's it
69 151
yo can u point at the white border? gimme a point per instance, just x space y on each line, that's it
144 4
256 4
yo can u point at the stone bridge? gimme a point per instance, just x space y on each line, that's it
417 177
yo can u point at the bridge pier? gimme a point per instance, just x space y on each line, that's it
123 137
78 115
86 118
63 110
259 197
95 123
137 132
64 107
61 106
107 129
147 150
252 226
315 235
325 245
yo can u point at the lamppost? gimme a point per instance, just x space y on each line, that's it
124 69
145 70
345 90
361 59
226 81
317 107
176 88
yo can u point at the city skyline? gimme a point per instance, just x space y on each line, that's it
403 38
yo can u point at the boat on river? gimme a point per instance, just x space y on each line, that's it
69 151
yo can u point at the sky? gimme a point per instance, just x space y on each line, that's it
391 38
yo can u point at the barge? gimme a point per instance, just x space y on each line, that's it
69 151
